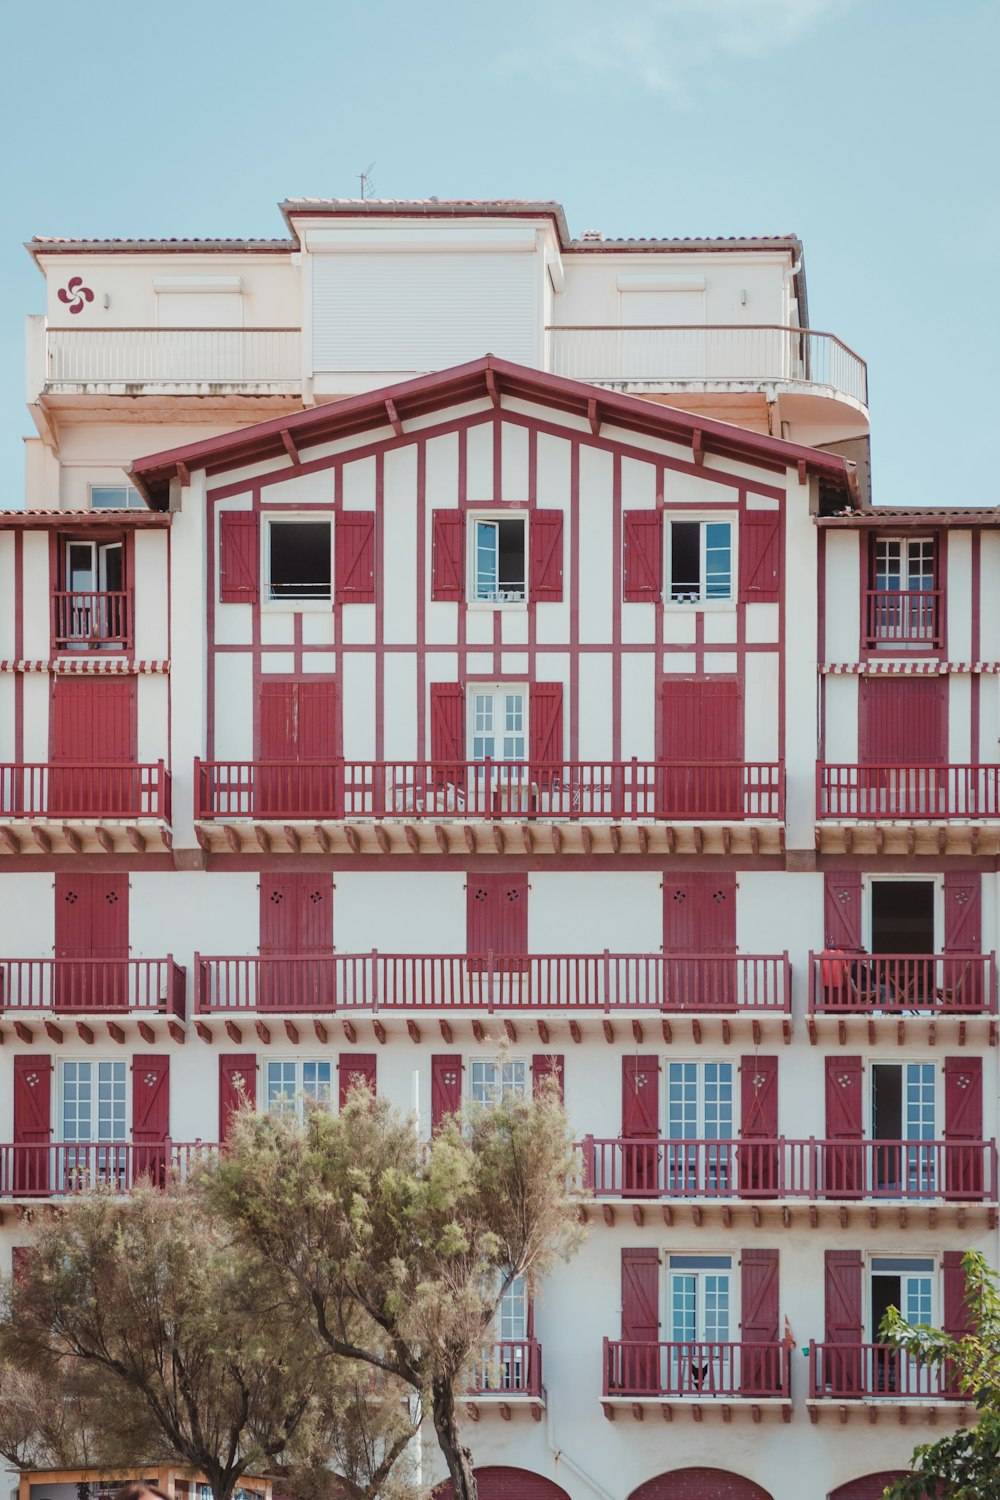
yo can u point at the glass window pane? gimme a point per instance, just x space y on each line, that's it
718 560
487 559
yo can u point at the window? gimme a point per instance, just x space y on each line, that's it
94 567
298 563
115 497
904 564
499 729
699 1108
93 1101
499 559
903 609
492 1082
902 916
289 1083
906 1282
699 562
699 1313
904 1111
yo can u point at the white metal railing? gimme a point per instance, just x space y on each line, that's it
707 352
174 356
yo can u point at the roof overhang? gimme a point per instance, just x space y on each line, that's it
915 519
487 378
83 520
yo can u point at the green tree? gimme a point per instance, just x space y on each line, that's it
964 1465
156 1334
422 1240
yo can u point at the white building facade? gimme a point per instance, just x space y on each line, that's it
441 651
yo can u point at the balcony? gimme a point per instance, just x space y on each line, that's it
710 356
855 1372
702 1371
74 809
92 986
815 1170
184 361
757 985
91 621
902 984
907 793
58 1170
908 619
510 1369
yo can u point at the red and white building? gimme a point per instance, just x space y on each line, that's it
443 651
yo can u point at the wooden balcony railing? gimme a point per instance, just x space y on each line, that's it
699 1369
495 982
903 617
93 985
902 983
851 1371
59 1169
725 791
41 790
667 353
913 793
91 620
812 1169
513 1368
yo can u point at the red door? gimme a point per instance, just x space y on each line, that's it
759 1163
903 734
841 1367
963 1126
497 924
963 937
702 733
296 927
760 1374
640 1124
844 1152
446 1087
639 1366
91 947
150 1117
356 1067
699 926
237 1085
300 775
93 747
32 1124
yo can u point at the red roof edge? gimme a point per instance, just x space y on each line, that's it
480 378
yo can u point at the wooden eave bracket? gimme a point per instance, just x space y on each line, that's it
288 443
10 839
183 474
393 415
491 386
593 417
698 445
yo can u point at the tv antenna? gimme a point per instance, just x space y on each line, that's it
365 179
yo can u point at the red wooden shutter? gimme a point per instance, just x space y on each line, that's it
317 718
296 914
496 911
150 1116
545 556
91 927
641 1295
356 1067
760 557
32 1123
963 1126
94 722
354 557
298 734
545 725
842 908
643 559
761 1371
699 913
237 1083
446 1087
239 557
759 1098
701 721
903 721
842 1284
845 1164
546 1065
640 1097
963 936
448 730
448 555
957 1319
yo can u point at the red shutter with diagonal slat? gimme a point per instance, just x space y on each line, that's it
545 725
150 1099
239 557
957 1319
32 1123
759 1098
446 1087
447 728
643 556
354 557
760 557
963 1126
356 1067
640 1097
963 936
546 1065
842 1285
545 556
759 1296
641 1295
843 911
844 1103
237 1083
447 555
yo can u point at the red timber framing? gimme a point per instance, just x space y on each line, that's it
505 471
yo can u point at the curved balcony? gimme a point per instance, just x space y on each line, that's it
702 1370
855 1372
92 986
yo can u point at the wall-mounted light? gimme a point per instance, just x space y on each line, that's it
105 300
743 297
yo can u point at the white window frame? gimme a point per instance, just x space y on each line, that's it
473 518
98 564
701 1272
509 1085
702 519
296 1102
131 499
700 1064
320 604
932 1271
94 1064
903 1064
905 543
497 690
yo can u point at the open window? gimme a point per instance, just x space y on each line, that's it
298 561
903 595
906 1282
904 1116
699 562
902 916
498 552
91 607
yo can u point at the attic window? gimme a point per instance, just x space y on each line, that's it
299 560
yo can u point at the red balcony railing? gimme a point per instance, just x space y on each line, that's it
902 983
914 793
96 619
780 1168
59 1169
850 1371
730 791
492 982
513 1368
903 617
699 1369
85 791
92 985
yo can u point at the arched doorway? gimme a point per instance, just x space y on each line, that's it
868 1487
699 1484
497 1483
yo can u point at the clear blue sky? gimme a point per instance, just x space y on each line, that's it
869 127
